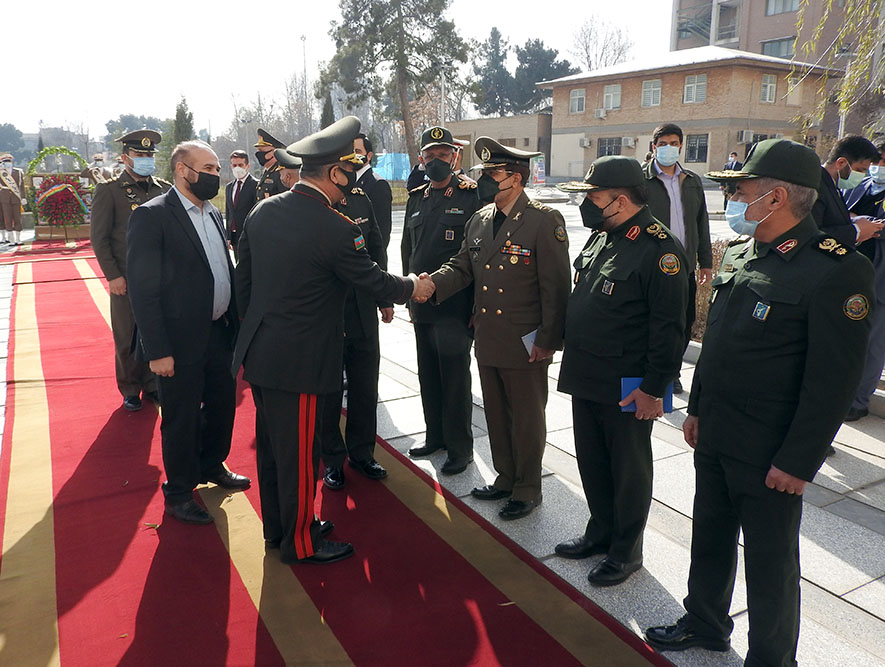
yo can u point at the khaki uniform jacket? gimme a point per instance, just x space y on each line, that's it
18 177
784 349
521 280
271 183
112 204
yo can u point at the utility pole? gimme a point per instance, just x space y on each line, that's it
304 99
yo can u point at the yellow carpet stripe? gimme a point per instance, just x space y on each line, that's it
579 633
293 621
28 606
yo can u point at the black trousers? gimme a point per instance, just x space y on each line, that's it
614 458
287 457
196 441
362 359
444 376
731 496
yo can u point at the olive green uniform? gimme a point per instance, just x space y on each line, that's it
434 232
271 182
520 282
784 348
626 318
112 203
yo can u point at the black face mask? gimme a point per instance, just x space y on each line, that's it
438 170
487 187
592 216
351 181
206 186
262 157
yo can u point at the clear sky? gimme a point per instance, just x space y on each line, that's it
87 62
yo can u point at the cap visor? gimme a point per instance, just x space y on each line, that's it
576 186
438 143
489 165
728 175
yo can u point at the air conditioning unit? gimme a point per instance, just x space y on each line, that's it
745 136
584 142
627 142
599 113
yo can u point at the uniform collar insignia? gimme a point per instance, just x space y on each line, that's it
787 246
633 232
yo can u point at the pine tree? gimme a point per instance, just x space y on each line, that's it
328 115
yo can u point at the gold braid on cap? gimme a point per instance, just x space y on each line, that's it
353 158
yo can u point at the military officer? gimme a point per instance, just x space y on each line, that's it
298 256
112 203
96 172
436 213
515 252
271 182
625 319
784 348
290 167
12 198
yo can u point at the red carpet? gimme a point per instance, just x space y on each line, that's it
98 577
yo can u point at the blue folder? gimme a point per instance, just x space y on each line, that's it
629 384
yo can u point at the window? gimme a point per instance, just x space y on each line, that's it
794 92
508 142
696 148
608 146
526 142
611 96
779 48
576 101
759 137
769 87
651 93
780 6
695 89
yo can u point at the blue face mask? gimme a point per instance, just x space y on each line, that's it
877 174
667 155
854 179
735 216
143 166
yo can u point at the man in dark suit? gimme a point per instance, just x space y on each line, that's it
240 196
298 256
844 170
728 188
180 278
377 189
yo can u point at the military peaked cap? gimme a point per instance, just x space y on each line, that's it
494 154
265 138
286 160
782 159
332 144
143 140
437 136
610 171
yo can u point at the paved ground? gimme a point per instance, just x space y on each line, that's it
843 531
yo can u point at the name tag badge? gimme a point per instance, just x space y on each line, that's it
450 235
608 287
760 312
455 211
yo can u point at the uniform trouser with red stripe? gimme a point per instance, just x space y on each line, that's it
288 457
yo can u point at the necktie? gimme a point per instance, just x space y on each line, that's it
237 193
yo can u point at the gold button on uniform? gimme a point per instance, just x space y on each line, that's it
488 267
498 312
500 291
500 267
482 310
485 288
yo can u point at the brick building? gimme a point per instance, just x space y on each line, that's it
723 99
528 132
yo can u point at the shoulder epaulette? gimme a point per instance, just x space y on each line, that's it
357 191
658 231
466 185
740 240
538 205
418 189
163 181
830 246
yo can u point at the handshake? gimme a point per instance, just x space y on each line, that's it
424 287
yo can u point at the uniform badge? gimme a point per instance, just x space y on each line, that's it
787 246
449 192
146 142
516 217
760 312
426 193
633 233
559 234
359 242
856 307
455 211
728 268
608 287
485 155
669 264
653 228
514 259
436 133
134 206
508 243
450 235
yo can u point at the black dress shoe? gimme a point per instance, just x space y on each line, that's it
329 552
489 492
680 637
151 396
579 547
516 509
424 450
132 403
326 527
610 572
677 386
229 480
370 468
189 511
454 466
333 479
855 413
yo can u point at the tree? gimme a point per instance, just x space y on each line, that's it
860 34
494 84
328 115
10 138
410 39
128 122
183 125
536 63
599 43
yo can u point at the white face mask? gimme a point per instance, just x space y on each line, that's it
6 165
99 163
239 172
